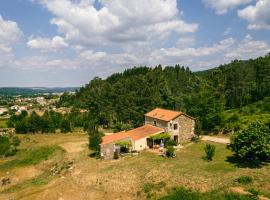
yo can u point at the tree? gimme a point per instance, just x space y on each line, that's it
65 126
209 150
4 145
22 127
94 135
94 141
252 143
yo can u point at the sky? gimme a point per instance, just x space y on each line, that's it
64 43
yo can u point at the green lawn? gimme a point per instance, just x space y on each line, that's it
30 157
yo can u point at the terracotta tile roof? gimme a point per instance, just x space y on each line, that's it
134 134
114 137
144 131
164 114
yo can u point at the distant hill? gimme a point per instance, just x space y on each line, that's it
30 91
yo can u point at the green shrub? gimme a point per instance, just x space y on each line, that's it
186 194
171 142
245 180
254 193
209 150
182 193
196 139
170 152
8 144
252 144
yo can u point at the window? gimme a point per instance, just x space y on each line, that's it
155 122
170 125
175 126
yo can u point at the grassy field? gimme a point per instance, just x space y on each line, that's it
146 176
3 123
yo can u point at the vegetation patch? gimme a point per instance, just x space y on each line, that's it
148 187
186 194
3 123
30 157
245 180
252 143
209 150
40 180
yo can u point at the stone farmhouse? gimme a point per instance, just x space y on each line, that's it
178 125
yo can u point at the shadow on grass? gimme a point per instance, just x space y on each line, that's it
94 154
241 163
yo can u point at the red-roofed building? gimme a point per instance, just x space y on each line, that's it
179 125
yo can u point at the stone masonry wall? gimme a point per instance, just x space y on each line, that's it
187 127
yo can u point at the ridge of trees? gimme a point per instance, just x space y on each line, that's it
125 97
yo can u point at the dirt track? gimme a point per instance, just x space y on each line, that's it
216 139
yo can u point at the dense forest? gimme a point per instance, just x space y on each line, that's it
215 97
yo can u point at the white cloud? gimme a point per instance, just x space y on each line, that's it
92 56
185 41
9 33
117 21
258 15
46 44
223 6
249 48
199 58
190 56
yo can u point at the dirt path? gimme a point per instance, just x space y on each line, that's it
74 147
216 139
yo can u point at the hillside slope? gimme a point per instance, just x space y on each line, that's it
125 97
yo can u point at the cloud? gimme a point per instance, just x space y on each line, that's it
9 31
200 58
46 44
117 21
223 6
249 48
258 15
92 56
9 34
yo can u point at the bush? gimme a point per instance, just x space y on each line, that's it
170 142
170 152
252 144
254 193
196 139
8 145
186 194
209 150
245 180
